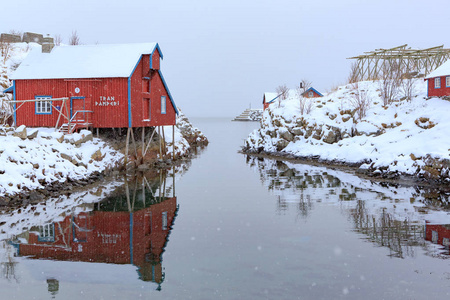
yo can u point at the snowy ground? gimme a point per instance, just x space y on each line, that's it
403 136
27 164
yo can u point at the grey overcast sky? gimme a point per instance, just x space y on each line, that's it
221 56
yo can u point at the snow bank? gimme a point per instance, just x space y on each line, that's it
408 137
27 164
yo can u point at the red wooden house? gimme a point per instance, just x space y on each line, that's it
104 86
439 81
311 93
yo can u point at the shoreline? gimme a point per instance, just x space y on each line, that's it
402 179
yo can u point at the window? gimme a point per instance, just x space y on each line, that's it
310 94
163 104
43 107
47 233
447 81
437 83
164 220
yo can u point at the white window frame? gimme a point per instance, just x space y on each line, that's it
43 107
163 105
434 236
437 83
447 81
310 94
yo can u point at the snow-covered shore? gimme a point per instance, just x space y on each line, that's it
29 163
404 137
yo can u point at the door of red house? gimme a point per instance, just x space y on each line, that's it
77 104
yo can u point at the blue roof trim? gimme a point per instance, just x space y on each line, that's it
314 90
274 99
159 50
129 93
168 92
9 90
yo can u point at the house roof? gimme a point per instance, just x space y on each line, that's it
270 97
443 70
84 61
314 90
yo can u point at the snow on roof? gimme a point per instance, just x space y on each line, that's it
268 97
443 70
84 61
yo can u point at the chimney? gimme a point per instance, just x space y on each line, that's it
47 44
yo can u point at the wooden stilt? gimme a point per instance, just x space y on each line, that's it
160 141
126 147
149 141
97 133
173 142
173 187
164 181
134 142
164 142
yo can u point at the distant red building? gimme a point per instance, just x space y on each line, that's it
269 98
438 234
439 81
311 93
117 237
107 86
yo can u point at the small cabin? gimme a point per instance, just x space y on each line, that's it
439 81
93 86
269 98
311 93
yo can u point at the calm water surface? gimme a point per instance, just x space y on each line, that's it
229 227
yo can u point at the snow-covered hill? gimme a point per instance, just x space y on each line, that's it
409 137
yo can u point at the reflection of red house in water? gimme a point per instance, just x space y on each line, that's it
438 234
117 237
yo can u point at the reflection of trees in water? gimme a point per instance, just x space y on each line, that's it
298 188
401 237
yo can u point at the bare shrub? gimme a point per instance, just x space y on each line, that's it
360 101
354 73
408 83
389 82
306 104
283 91
74 38
58 40
6 49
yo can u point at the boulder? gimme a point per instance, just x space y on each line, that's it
97 156
281 144
21 132
286 135
33 134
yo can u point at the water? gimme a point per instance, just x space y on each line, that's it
231 227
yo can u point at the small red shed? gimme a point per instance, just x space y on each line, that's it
269 98
311 93
439 81
93 86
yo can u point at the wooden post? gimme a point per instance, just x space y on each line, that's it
173 142
126 147
97 132
160 145
164 141
149 141
134 142
173 187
